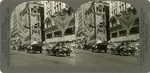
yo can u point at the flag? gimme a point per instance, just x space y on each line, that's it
127 19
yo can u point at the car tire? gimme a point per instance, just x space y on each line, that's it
112 52
68 54
40 51
34 51
92 50
121 53
27 51
57 53
105 51
132 53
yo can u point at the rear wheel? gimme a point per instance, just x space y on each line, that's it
122 53
40 51
57 53
132 53
27 51
105 50
112 52
34 51
92 50
68 54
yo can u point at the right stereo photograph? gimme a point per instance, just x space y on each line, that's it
107 34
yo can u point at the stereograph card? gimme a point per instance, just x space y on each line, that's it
75 36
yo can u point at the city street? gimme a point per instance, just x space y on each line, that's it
81 58
88 58
26 59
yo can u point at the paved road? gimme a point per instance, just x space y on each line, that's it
88 58
81 58
26 59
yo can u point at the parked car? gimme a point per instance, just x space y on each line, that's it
61 48
99 47
21 48
86 47
123 49
35 48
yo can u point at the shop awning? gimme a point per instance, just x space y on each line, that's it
26 42
52 40
126 38
67 38
91 41
60 39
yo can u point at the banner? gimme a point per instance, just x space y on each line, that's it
62 19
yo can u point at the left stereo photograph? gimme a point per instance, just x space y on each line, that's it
42 34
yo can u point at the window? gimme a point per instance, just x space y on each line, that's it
114 35
134 30
49 35
70 31
97 9
103 17
123 33
38 17
58 34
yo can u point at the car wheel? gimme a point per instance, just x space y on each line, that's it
34 51
105 51
99 51
132 53
68 54
27 51
121 53
40 51
57 53
112 52
92 50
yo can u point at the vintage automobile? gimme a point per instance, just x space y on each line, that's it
86 47
21 47
99 47
61 48
123 49
35 48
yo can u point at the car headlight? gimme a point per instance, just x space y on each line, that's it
95 46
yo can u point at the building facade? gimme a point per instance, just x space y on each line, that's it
52 7
124 23
17 34
92 22
33 22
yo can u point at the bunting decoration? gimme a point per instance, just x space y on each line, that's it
62 19
127 18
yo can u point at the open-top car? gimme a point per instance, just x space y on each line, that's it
99 47
34 48
60 48
123 48
21 47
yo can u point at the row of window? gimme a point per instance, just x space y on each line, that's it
35 9
134 30
100 8
114 23
122 7
69 31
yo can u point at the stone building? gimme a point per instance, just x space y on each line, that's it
124 24
92 22
17 34
33 21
